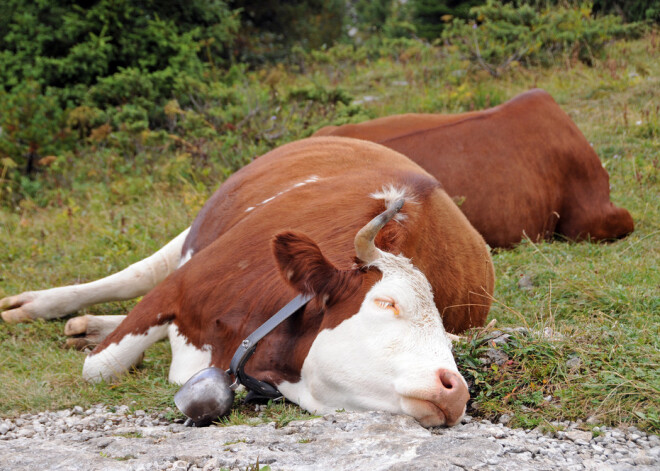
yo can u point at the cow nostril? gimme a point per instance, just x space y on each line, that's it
447 378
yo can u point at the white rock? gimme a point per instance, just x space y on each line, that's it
576 435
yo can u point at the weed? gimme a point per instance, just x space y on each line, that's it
130 435
241 440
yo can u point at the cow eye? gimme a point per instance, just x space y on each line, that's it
388 304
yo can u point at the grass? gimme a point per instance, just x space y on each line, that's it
106 209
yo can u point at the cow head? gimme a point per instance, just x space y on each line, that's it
389 351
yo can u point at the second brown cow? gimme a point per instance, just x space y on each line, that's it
521 168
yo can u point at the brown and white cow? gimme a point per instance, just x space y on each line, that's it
519 168
373 335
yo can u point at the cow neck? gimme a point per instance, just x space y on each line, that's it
259 389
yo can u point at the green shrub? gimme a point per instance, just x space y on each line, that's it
32 126
630 10
270 29
504 34
69 46
430 17
321 95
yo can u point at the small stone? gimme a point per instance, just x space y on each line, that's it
180 465
499 433
575 435
533 449
616 434
525 282
642 459
212 464
574 363
504 419
78 410
25 433
4 428
497 356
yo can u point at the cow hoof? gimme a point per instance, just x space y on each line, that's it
16 306
14 316
88 331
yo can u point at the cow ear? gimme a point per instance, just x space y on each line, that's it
305 268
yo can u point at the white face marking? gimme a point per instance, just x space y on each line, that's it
117 358
311 179
385 357
186 358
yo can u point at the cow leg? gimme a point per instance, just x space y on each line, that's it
89 331
147 323
186 358
136 280
110 360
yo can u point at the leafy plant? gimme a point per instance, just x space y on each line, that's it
32 126
503 35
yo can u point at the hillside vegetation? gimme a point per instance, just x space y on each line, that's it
89 187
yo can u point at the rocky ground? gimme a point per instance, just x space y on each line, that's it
108 439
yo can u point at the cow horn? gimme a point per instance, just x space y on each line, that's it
364 240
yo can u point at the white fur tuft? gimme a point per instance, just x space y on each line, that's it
390 194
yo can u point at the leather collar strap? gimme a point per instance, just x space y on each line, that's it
259 389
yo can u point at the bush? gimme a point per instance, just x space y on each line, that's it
430 17
503 35
32 127
70 46
628 10
270 29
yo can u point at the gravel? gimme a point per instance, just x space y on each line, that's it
118 438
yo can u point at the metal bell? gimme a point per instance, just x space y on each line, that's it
205 396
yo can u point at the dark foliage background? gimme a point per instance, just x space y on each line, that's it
131 75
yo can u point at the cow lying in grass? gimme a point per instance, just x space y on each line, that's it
296 220
519 168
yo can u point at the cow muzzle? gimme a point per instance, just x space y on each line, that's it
443 405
